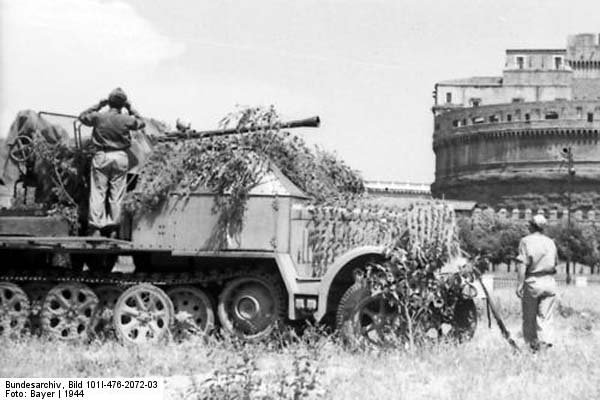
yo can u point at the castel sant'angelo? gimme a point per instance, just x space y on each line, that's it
501 141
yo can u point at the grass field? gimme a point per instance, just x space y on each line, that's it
318 366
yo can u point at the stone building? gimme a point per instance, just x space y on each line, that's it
499 140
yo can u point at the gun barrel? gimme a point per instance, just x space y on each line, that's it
312 122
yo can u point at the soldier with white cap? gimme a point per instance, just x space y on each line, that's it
537 262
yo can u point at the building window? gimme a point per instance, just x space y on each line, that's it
478 120
579 112
551 115
517 100
508 117
464 122
475 102
558 62
493 118
527 117
448 97
590 117
455 123
520 62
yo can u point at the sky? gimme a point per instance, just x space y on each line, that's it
366 67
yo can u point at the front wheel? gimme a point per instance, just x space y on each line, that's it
352 296
366 319
465 320
363 318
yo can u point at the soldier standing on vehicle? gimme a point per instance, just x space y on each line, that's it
111 140
537 262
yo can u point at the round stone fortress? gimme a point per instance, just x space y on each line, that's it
499 141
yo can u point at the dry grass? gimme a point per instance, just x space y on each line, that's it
484 368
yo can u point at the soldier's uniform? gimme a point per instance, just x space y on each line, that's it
538 254
111 139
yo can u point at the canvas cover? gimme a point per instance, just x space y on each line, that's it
28 121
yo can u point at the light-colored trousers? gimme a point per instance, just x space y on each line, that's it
538 302
108 182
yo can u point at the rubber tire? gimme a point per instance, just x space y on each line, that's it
344 323
278 297
150 288
465 320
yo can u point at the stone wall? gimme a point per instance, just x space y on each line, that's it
509 155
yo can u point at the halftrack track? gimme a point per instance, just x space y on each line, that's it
140 307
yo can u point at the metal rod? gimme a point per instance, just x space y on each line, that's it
312 122
54 114
571 172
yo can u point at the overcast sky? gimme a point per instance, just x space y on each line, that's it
367 67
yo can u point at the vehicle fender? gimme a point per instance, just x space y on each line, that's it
334 269
286 267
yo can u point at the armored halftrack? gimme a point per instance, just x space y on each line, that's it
247 287
253 283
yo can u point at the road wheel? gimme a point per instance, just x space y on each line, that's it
14 309
195 309
143 314
251 307
69 311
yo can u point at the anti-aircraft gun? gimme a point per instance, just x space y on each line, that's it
272 272
312 122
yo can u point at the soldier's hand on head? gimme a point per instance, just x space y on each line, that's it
103 102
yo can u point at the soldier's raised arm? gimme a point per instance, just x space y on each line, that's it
88 116
138 121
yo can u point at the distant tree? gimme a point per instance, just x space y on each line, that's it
491 236
497 239
576 243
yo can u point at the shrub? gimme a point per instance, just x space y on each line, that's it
415 299
491 237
